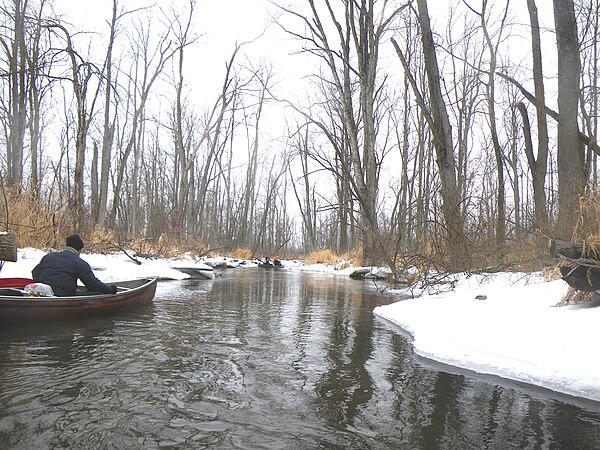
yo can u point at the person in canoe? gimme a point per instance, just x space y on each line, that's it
61 270
276 261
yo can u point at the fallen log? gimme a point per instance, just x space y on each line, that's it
579 264
362 273
580 277
574 250
359 273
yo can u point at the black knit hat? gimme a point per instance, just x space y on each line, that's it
75 242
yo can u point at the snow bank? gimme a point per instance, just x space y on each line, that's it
514 332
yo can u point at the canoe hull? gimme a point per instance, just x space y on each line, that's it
14 307
269 266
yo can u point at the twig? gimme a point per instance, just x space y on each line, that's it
118 246
207 251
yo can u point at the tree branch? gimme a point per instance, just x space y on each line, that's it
583 138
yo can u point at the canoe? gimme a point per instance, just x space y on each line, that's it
15 304
269 266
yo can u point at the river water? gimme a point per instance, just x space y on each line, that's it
262 360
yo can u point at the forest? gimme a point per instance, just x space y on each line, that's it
456 135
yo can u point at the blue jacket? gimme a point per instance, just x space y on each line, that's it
61 270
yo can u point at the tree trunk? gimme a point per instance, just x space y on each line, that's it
442 141
80 140
94 177
109 128
571 168
18 97
539 166
498 153
180 149
368 52
538 173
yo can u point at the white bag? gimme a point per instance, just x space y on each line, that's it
39 290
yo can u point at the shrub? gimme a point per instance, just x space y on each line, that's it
100 240
242 253
321 257
32 224
588 224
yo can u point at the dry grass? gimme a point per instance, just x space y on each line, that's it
32 224
354 256
588 224
35 225
100 240
241 253
573 296
321 257
329 258
551 273
38 225
167 246
587 230
530 253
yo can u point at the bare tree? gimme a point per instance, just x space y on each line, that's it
249 190
538 166
439 123
214 128
352 66
15 50
571 169
304 190
589 17
39 64
99 203
184 37
148 65
490 87
467 52
81 74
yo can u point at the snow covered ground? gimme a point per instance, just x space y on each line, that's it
516 332
512 329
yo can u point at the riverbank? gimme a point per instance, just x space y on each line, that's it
508 325
501 324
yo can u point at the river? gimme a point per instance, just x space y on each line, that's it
262 360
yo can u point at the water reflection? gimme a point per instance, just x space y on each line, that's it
260 359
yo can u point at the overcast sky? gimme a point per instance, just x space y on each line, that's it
220 24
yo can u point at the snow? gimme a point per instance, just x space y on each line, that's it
108 268
515 331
